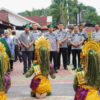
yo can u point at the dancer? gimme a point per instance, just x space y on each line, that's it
87 80
5 81
40 84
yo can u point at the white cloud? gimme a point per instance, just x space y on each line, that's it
22 5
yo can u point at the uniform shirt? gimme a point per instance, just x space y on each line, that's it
27 39
96 35
85 34
77 38
53 40
69 36
61 35
10 44
36 35
55 32
15 39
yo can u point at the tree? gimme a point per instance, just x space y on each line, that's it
59 11
93 18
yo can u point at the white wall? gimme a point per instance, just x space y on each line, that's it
16 20
49 18
19 32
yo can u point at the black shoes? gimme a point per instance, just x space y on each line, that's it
73 68
56 71
65 67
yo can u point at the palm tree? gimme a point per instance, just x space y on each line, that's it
59 11
75 3
76 8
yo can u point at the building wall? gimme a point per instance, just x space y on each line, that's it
16 20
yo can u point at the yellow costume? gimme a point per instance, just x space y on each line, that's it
4 65
40 84
6 58
3 96
44 83
87 80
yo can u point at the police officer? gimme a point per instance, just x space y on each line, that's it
36 34
69 35
76 42
96 34
52 37
83 32
62 38
27 42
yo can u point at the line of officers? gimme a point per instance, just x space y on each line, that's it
63 42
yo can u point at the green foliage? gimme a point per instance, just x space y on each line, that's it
58 9
90 16
93 71
2 73
44 60
53 76
75 84
38 12
29 73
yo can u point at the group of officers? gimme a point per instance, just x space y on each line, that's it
62 43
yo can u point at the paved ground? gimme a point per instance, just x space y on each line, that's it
62 85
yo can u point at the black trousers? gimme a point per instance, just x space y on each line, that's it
11 64
17 54
68 55
27 58
33 55
62 51
53 56
74 54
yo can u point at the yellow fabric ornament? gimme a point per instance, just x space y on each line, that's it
44 86
42 41
3 51
3 96
92 94
81 77
90 44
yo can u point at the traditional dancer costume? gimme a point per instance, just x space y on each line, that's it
5 82
40 84
87 80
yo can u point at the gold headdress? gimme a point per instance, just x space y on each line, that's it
6 58
91 44
42 41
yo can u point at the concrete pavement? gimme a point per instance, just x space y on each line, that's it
61 86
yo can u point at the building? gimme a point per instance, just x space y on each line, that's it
15 19
42 20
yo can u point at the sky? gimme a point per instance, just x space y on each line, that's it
22 5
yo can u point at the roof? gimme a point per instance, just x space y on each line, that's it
4 15
42 20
